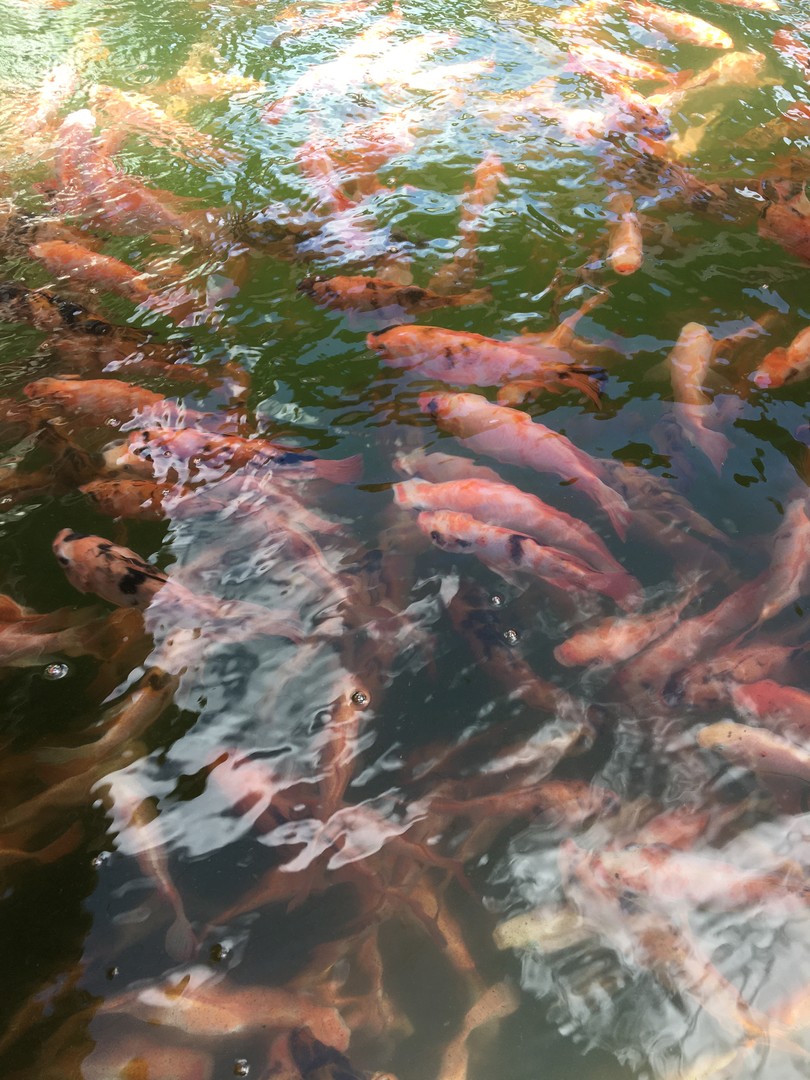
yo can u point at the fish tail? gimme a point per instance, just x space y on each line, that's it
585 379
345 471
616 509
181 944
715 446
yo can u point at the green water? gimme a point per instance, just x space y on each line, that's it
86 928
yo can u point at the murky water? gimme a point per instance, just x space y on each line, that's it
215 832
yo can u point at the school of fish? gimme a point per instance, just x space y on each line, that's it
614 847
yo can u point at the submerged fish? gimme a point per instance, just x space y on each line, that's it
625 246
93 401
785 365
678 25
694 411
514 438
373 294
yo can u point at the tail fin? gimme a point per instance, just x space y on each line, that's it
585 379
345 471
714 445
616 509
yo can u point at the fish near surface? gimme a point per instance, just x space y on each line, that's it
785 365
187 450
438 468
93 401
789 577
138 500
513 438
498 503
508 552
787 222
694 411
780 708
375 294
678 25
626 245
120 576
466 359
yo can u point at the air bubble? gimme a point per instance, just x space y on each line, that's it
55 671
240 1067
219 953
496 600
100 860
511 637
113 972
359 698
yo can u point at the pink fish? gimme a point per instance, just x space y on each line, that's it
780 708
464 359
508 552
497 503
694 411
512 437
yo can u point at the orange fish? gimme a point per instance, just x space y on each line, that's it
501 504
186 450
93 564
793 48
616 639
677 25
93 401
136 112
757 749
465 359
790 561
787 222
507 552
626 245
512 437
696 415
373 294
138 834
587 56
784 365
78 263
780 708
206 1008
57 87
138 500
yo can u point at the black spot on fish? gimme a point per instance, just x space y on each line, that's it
131 581
71 536
61 559
515 543
291 458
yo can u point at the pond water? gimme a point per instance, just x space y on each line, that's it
300 783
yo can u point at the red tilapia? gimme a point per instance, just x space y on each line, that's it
93 401
465 359
678 25
785 365
373 294
508 552
694 411
497 503
512 437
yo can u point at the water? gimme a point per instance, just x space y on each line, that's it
149 866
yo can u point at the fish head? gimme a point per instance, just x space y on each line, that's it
399 346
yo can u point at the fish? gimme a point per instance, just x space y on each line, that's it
78 263
494 1004
787 223
545 930
137 826
507 552
513 438
466 359
297 19
501 504
777 707
130 498
616 639
438 468
189 450
714 682
58 86
793 48
625 246
587 56
570 803
757 749
28 639
731 69
315 1060
132 1056
649 671
138 113
677 25
669 880
94 402
462 269
120 576
788 579
197 1005
784 365
694 411
373 294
